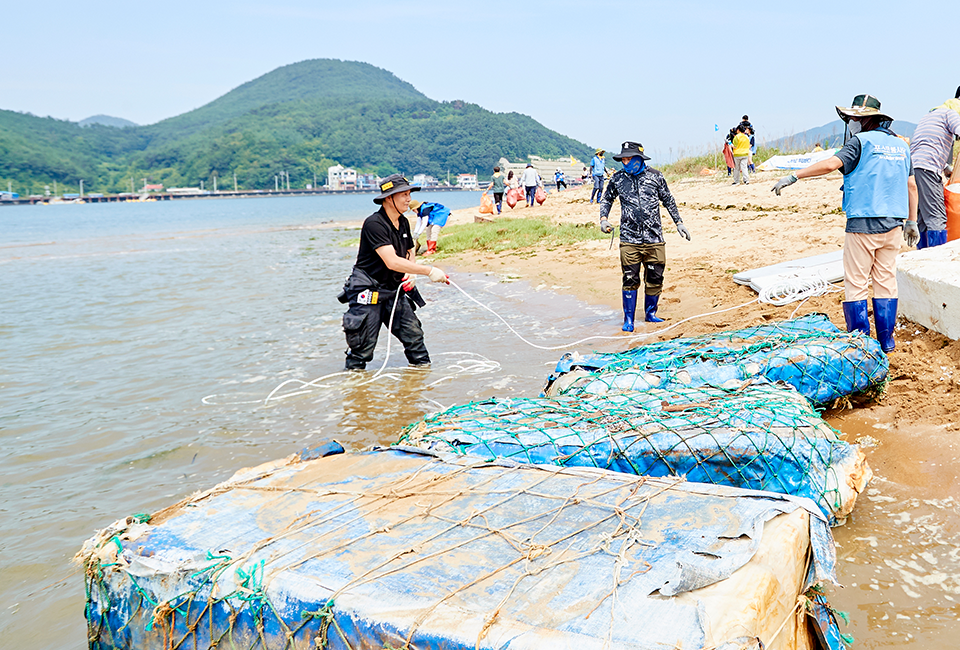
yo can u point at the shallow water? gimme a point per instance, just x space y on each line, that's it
119 319
899 552
139 342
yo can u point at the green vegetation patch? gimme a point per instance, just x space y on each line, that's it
514 234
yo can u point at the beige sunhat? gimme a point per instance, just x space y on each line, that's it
862 106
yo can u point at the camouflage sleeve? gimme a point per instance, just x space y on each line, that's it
668 201
609 194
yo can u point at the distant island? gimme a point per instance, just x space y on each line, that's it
288 126
107 120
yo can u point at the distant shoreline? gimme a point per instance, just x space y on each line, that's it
167 196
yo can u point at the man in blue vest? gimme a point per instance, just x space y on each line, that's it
597 170
880 201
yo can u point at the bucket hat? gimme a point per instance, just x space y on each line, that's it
862 106
415 204
599 152
394 184
629 150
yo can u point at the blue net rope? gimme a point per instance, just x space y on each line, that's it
762 437
809 353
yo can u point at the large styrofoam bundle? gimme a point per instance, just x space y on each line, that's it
403 548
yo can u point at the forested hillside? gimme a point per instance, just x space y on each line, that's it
300 118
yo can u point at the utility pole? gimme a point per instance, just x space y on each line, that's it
144 184
276 188
131 186
314 180
81 188
214 183
201 186
54 188
234 181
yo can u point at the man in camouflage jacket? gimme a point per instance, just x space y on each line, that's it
640 189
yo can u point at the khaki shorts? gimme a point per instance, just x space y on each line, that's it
651 259
871 257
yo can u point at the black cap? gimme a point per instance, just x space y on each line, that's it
629 150
394 184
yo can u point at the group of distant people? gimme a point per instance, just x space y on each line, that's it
739 147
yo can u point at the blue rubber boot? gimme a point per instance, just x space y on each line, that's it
885 316
936 238
629 309
923 240
855 313
650 309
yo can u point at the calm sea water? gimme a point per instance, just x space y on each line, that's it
138 343
116 321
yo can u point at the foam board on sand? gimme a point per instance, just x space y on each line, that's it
928 283
828 266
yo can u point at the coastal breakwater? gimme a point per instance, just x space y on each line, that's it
176 196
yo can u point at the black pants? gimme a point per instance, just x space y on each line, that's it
362 323
561 183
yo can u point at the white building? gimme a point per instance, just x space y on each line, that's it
341 178
423 180
467 181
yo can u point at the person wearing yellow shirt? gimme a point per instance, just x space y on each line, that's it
741 156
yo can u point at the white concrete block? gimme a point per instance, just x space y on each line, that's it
928 284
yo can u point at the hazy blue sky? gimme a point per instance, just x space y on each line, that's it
601 72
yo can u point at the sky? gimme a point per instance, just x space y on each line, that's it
661 73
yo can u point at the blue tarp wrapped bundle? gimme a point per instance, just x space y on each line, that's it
405 548
761 437
809 353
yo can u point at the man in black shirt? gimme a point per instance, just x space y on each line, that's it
385 264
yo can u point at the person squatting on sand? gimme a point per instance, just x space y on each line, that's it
879 198
385 263
640 189
930 151
430 217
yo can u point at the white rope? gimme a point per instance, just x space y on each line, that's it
783 292
791 288
621 337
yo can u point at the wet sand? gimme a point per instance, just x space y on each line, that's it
899 562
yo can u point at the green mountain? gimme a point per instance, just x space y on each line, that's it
301 118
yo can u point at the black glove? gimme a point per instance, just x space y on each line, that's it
605 226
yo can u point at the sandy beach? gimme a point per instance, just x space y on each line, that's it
733 228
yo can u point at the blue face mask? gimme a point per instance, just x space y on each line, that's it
635 166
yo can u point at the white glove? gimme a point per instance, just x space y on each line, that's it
408 282
786 181
436 275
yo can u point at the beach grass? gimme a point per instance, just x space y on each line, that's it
514 234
